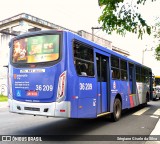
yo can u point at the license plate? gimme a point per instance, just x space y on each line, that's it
32 93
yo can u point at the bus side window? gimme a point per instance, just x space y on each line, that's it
83 70
115 67
78 68
130 73
83 59
117 73
113 74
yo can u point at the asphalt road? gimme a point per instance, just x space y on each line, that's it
132 123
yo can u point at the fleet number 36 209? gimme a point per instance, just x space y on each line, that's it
44 87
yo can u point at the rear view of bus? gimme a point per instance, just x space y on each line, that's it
37 77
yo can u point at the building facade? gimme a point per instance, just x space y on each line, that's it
23 23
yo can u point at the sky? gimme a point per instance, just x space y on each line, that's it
82 15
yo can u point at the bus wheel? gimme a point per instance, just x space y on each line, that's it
147 99
117 110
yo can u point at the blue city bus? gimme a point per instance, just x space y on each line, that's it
60 74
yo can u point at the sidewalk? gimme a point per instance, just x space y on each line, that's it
4 104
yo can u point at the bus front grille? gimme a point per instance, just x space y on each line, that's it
31 109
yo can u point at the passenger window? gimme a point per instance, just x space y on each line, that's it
115 67
83 59
124 75
138 73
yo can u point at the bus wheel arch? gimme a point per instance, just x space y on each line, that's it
117 108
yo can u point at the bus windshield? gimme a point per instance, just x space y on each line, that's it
36 49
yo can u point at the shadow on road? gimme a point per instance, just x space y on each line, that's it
75 128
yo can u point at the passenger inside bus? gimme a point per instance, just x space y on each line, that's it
83 70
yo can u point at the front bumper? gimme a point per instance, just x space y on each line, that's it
53 109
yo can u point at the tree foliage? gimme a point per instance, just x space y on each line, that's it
157 52
122 16
157 36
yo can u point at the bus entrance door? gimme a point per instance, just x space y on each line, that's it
131 79
102 83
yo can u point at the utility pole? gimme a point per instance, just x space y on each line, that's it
93 28
143 54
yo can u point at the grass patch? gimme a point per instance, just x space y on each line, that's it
3 98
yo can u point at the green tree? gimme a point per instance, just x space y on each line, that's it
157 36
157 52
122 16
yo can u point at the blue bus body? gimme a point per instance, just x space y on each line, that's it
54 88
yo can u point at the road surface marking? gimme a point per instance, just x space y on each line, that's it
155 134
153 116
157 112
141 111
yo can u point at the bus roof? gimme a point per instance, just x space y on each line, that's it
78 37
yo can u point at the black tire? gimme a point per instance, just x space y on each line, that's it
147 100
117 110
